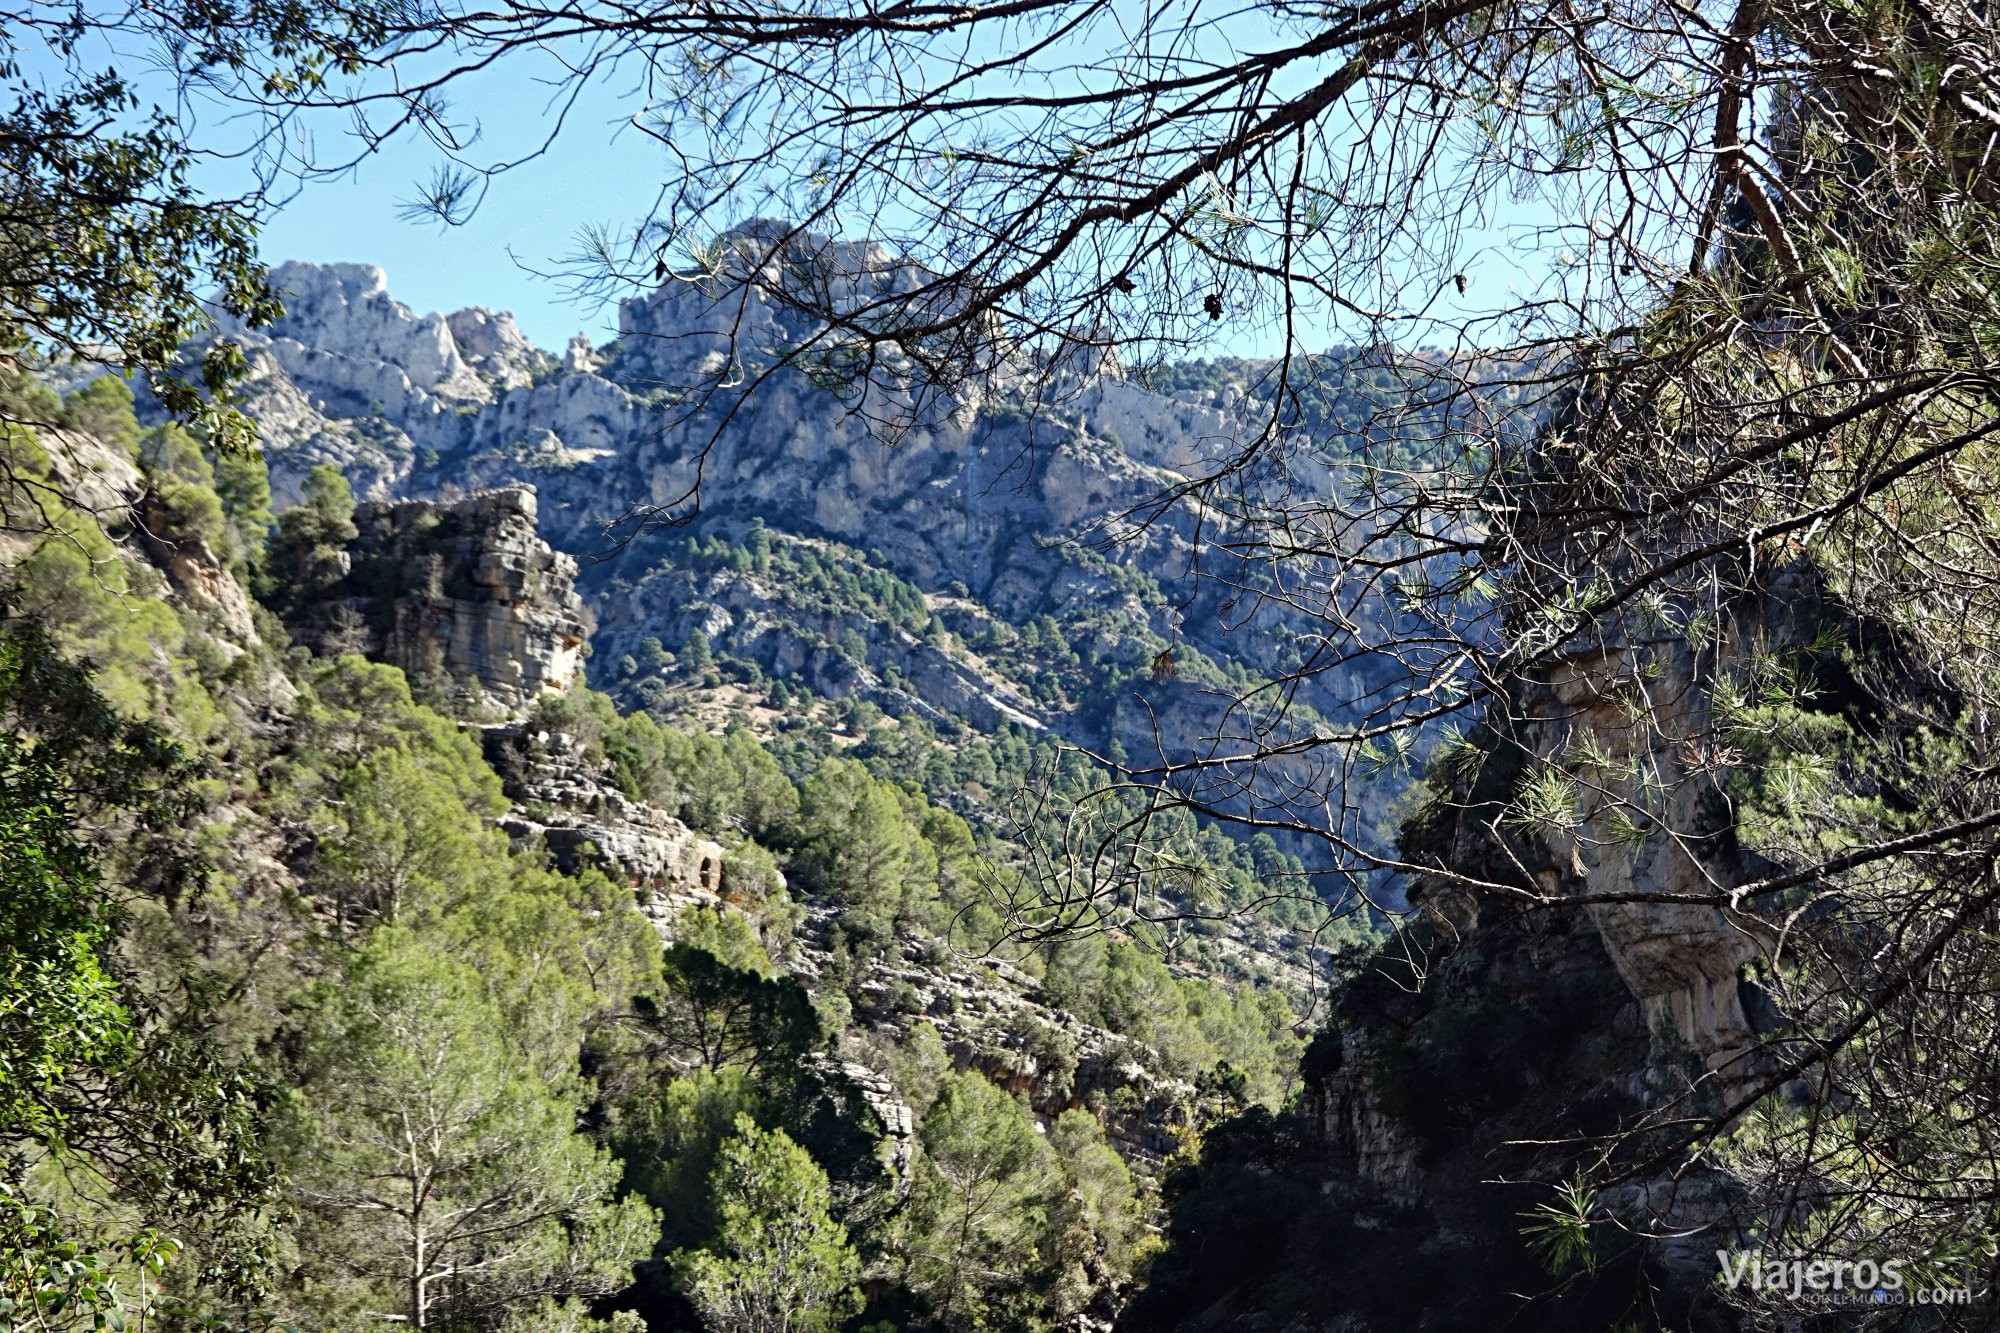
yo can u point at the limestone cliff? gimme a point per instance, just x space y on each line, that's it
1496 1047
465 591
1000 509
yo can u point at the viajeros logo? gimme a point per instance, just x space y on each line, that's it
1833 1281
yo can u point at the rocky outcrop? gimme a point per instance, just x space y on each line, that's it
1496 1048
343 333
897 1122
1683 962
990 1017
1010 497
494 345
564 803
464 591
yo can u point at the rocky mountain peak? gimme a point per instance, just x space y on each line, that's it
345 311
494 345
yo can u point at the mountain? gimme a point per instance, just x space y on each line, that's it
1003 565
398 862
834 673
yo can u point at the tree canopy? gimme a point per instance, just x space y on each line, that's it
778 1262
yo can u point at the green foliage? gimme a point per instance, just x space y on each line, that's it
1560 1232
717 784
695 656
750 875
125 256
49 1282
1195 1024
495 1198
709 1014
978 1207
1097 1222
182 505
103 410
98 604
859 844
399 800
65 755
568 1316
559 954
243 484
367 933
152 1121
921 1065
670 1135
58 1006
304 555
778 1260
725 935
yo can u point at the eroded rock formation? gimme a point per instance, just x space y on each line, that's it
464 592
994 503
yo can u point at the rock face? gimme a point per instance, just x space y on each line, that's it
465 590
992 504
1496 1049
990 1019
342 330
1683 963
565 805
495 347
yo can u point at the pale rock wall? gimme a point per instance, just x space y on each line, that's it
1683 962
494 345
357 332
466 590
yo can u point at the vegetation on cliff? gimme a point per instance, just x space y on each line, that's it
294 1034
1709 602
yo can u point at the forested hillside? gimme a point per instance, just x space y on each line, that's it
455 995
957 594
966 772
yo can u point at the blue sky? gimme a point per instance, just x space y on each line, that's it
527 223
510 253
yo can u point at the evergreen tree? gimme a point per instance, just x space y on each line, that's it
712 1015
670 1133
779 1262
181 505
979 1206
103 410
58 1004
440 1171
1096 1220
150 1122
305 555
861 846
243 484
696 655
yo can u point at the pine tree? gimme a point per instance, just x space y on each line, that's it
979 1209
779 1262
438 1168
696 656
305 556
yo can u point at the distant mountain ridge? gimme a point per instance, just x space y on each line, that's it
1022 599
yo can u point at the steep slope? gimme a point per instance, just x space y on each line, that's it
986 567
426 810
